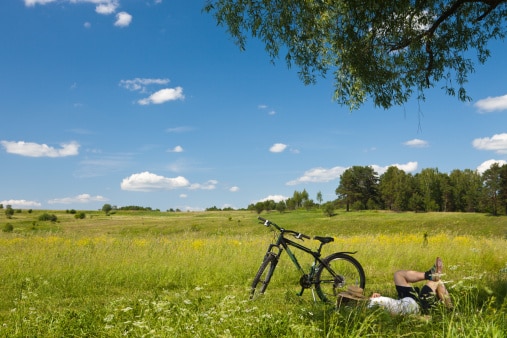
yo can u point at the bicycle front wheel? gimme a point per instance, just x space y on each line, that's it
337 272
263 276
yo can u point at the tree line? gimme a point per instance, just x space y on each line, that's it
361 188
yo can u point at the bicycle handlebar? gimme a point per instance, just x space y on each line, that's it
296 234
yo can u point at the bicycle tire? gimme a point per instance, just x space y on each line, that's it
263 276
348 272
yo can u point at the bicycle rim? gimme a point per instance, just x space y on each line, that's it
338 272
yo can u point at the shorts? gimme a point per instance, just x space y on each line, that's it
403 306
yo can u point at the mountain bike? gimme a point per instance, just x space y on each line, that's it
327 276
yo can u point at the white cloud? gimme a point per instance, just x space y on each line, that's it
87 25
276 198
497 143
177 149
163 95
179 129
123 19
140 84
234 189
278 148
147 181
487 164
491 104
20 203
264 107
319 175
322 175
30 3
104 7
31 149
83 198
209 185
416 143
408 167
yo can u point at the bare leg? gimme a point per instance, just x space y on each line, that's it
405 277
441 292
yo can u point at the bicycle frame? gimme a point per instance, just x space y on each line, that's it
283 243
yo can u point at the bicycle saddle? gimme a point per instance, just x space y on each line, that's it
324 239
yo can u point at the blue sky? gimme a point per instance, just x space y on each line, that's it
150 103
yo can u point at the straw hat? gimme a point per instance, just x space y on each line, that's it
353 292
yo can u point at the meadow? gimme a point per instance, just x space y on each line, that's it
188 274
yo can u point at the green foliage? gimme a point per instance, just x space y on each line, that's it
107 208
429 190
386 51
358 185
329 209
9 211
46 217
8 227
80 215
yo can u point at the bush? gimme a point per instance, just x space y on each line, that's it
328 209
47 217
8 228
80 215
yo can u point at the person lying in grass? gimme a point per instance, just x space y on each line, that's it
410 299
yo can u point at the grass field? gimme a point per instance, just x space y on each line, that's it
161 274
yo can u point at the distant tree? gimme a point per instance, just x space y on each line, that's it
1 206
259 207
395 187
502 194
269 205
319 198
291 203
281 206
358 185
492 184
416 202
107 208
9 211
428 185
383 50
466 190
308 204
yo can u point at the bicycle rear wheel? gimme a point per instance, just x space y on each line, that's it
337 272
263 276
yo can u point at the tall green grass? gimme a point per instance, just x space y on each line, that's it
188 275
